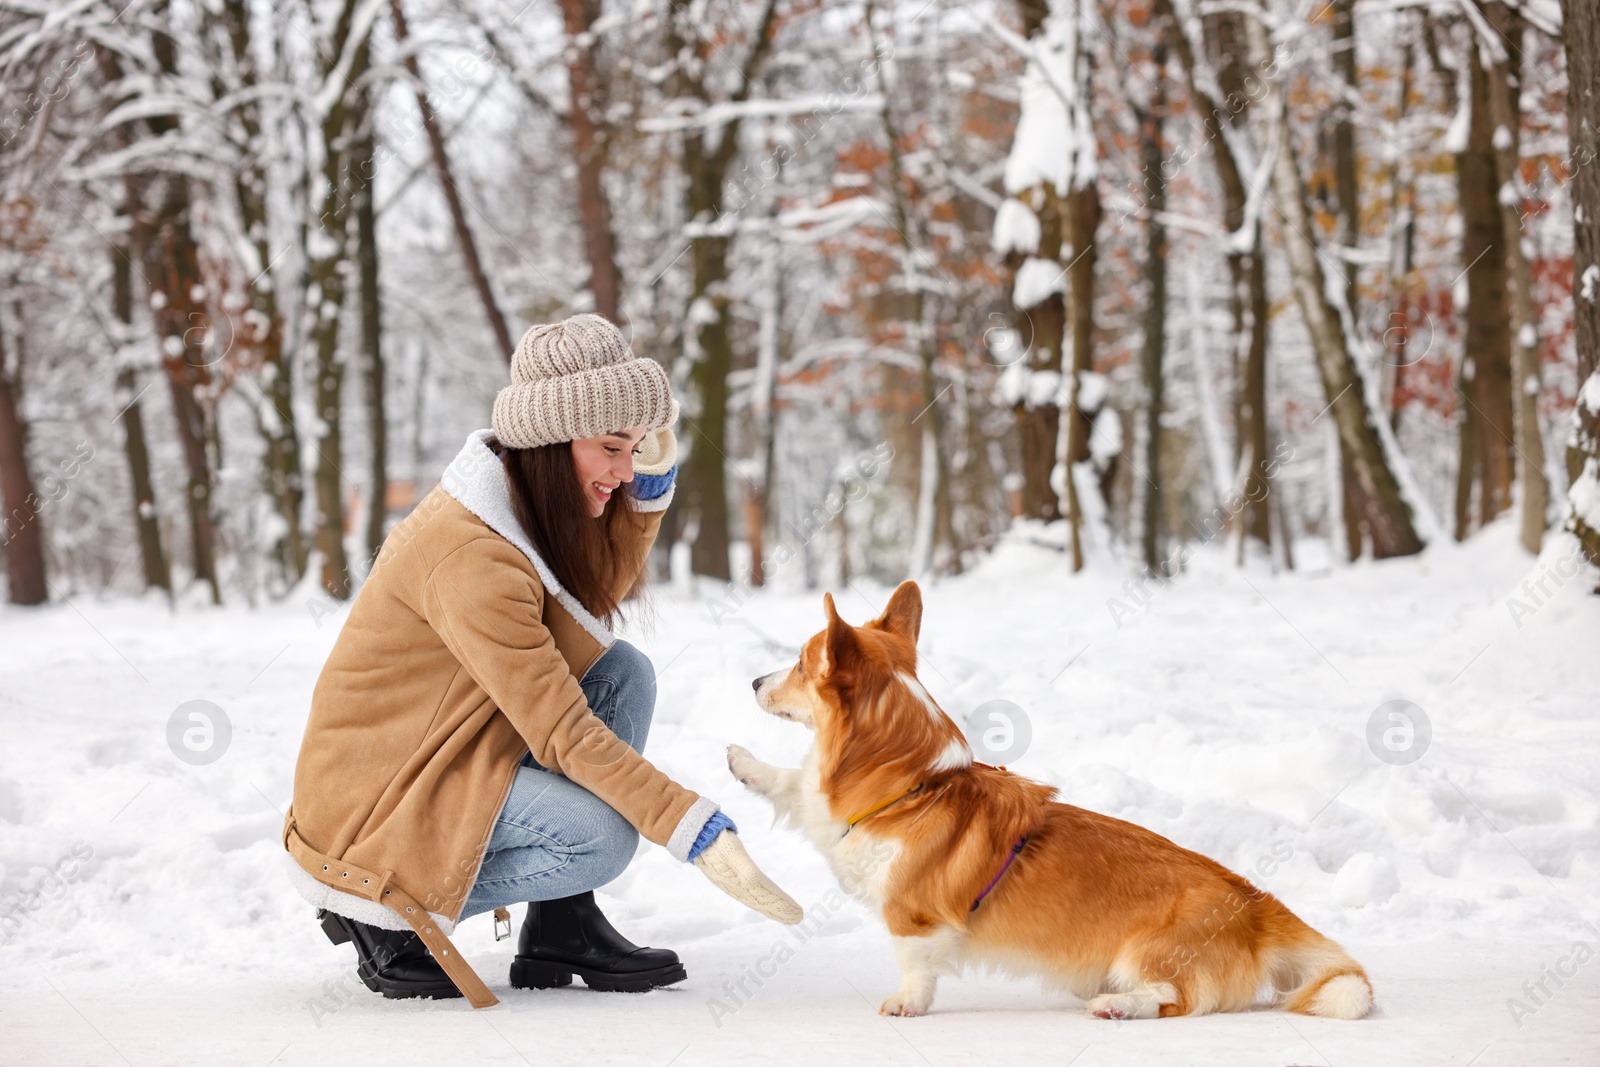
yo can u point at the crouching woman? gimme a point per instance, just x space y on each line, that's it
476 735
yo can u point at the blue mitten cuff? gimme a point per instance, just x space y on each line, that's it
652 486
708 833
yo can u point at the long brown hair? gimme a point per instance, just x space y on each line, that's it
585 553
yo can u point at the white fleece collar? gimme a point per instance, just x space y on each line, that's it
351 906
477 481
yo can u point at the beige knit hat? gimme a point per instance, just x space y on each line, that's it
577 378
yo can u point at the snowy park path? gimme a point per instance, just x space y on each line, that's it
1441 1003
147 918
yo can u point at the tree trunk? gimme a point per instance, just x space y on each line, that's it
708 347
1043 332
145 517
710 353
1467 453
589 146
171 264
1253 424
1582 27
22 527
764 408
1503 59
1388 517
327 259
147 520
1477 230
447 185
1353 508
165 244
372 363
1487 322
1403 239
1345 171
933 529
1083 219
1348 194
263 332
1155 315
1042 328
1247 273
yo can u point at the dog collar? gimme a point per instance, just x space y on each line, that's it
913 791
1012 858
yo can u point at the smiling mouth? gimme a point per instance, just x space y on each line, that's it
601 491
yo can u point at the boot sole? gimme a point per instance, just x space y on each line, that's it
539 974
402 991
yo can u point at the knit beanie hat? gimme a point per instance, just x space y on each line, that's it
577 378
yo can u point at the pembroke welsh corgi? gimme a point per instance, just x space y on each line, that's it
970 864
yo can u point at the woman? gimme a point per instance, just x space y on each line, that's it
475 736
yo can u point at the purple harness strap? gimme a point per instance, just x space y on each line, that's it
1012 858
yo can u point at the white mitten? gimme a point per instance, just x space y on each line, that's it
731 870
659 449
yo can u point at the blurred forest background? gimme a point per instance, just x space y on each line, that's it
1295 279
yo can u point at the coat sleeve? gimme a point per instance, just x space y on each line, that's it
647 506
645 526
487 608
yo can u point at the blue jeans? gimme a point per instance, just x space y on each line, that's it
554 838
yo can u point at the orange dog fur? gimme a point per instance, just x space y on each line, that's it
1130 922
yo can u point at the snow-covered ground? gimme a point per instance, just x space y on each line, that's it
145 917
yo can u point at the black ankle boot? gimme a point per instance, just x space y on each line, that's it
561 938
393 962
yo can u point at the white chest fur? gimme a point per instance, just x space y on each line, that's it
863 863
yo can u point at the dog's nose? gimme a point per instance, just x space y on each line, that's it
756 684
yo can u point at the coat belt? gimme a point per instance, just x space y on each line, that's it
381 888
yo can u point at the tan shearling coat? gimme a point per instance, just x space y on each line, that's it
461 653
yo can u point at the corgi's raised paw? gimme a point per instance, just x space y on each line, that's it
752 773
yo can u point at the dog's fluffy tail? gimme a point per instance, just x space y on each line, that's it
1316 976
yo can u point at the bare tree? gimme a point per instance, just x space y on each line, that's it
168 252
1498 26
1083 220
1347 195
1583 125
590 142
933 529
1222 120
21 523
708 150
364 157
1151 122
1485 426
1040 237
1387 513
157 574
262 333
345 56
447 185
123 335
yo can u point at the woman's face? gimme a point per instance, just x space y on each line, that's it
603 462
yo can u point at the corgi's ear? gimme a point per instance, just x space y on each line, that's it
839 646
903 616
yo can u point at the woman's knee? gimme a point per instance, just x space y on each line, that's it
632 669
629 680
612 849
